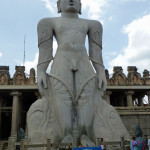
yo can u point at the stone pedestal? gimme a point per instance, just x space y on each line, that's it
129 97
15 113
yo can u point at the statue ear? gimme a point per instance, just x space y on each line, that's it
58 6
80 8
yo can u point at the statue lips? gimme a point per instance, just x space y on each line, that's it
71 2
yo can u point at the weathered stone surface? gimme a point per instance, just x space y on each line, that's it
130 121
19 76
72 104
118 78
32 76
4 75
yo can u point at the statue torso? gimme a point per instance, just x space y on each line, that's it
71 55
67 30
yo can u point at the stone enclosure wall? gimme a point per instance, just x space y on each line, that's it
117 79
123 90
19 77
130 121
132 78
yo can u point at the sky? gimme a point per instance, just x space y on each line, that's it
126 31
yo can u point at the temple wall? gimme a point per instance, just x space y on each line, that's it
124 92
130 121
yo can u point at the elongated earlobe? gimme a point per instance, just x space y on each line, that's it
80 8
58 6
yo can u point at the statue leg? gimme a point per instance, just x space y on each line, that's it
62 107
86 113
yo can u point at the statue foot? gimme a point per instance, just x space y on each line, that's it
86 142
67 139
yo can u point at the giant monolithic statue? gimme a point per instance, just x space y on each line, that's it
72 104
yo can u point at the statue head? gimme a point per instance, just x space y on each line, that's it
69 6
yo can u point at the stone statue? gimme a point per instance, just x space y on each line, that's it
72 104
21 135
138 131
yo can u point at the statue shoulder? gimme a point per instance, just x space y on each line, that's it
45 30
46 23
95 25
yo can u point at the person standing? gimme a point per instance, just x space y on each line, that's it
103 146
148 143
139 143
133 144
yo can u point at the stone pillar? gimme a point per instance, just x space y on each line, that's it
129 98
15 113
11 143
148 94
97 142
74 142
107 96
0 124
122 143
140 100
48 144
121 101
0 114
1 99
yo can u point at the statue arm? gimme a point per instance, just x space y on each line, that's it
95 52
45 40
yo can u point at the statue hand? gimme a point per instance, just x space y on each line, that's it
41 82
102 83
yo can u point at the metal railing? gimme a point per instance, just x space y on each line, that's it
25 145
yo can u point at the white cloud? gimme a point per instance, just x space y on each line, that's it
137 52
1 54
110 18
133 0
33 64
123 1
94 8
50 5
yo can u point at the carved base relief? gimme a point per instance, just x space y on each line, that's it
58 115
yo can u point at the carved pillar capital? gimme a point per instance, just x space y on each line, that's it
15 93
129 93
108 93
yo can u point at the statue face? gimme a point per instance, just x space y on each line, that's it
69 6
